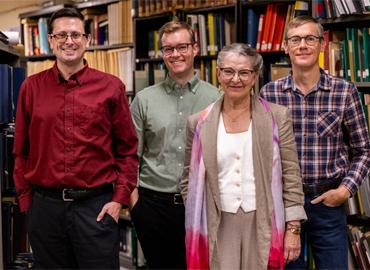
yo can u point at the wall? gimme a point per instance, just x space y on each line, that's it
9 18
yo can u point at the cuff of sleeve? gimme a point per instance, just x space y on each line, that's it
122 196
24 203
295 213
350 188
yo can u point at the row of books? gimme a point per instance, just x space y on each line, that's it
212 31
359 242
118 62
346 55
207 71
11 79
35 36
265 31
153 7
96 23
120 26
110 27
336 8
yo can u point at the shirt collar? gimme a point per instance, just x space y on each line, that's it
80 76
323 83
191 85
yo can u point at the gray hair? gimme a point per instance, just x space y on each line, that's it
243 50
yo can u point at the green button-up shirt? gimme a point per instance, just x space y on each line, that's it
160 113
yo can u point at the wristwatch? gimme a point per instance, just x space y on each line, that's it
294 230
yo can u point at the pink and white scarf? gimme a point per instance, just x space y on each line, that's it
197 256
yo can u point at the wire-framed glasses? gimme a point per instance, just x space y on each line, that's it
63 36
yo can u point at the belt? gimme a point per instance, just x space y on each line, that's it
174 198
73 194
319 188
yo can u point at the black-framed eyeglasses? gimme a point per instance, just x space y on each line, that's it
243 74
309 39
63 36
180 48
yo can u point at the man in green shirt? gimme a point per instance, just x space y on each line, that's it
160 113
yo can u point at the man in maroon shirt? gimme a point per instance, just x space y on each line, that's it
75 155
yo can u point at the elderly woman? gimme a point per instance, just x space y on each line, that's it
241 181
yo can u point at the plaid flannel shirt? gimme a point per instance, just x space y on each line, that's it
330 129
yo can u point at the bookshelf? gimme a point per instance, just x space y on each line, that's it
11 76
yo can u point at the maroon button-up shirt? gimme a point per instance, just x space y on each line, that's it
74 134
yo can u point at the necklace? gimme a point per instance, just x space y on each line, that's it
235 118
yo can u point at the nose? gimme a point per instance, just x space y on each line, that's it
304 44
69 39
236 75
175 52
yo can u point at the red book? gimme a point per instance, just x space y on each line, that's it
266 28
259 35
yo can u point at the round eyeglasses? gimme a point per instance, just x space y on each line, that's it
243 74
180 48
310 40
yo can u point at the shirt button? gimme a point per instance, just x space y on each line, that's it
237 171
180 147
180 164
237 184
181 97
238 199
69 129
180 113
237 157
180 129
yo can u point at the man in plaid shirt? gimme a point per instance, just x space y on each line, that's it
332 142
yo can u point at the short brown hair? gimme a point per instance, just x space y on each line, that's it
301 20
174 26
64 12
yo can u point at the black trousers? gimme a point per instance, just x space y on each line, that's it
160 227
66 235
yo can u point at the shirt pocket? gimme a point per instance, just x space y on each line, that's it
92 119
328 124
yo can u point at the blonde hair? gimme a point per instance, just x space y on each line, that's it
174 26
301 20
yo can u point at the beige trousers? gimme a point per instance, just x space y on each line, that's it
236 240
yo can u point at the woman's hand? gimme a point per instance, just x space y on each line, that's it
292 246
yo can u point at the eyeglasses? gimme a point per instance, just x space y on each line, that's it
180 48
310 40
63 36
243 74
